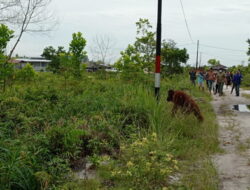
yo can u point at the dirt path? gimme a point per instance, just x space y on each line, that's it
234 135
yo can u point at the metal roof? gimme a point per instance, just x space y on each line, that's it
218 67
30 60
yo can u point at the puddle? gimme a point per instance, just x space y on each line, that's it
86 172
241 108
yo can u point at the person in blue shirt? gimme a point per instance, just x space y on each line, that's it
237 78
201 79
192 75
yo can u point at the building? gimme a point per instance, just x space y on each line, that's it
38 63
92 66
219 67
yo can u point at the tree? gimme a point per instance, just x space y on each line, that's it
77 52
145 43
140 55
52 54
7 12
173 57
33 16
213 62
130 60
102 49
5 36
66 68
6 68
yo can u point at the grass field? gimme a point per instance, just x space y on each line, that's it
47 129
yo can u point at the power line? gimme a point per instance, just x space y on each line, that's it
183 11
221 57
222 48
214 47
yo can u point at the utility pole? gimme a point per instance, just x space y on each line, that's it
197 57
158 53
200 59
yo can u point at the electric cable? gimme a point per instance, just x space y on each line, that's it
222 48
188 29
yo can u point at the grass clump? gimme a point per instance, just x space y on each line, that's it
144 164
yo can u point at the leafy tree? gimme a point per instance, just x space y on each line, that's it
6 68
49 53
5 36
173 57
130 60
140 55
66 68
77 52
52 54
145 43
213 62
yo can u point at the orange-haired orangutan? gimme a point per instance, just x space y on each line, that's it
185 102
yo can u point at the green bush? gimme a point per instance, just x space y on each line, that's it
246 80
65 140
144 164
27 73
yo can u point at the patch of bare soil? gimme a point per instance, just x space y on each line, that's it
234 134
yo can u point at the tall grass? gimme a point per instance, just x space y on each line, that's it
51 129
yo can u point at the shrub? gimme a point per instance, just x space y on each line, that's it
246 80
143 165
15 170
65 140
27 73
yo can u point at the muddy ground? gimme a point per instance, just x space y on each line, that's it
234 134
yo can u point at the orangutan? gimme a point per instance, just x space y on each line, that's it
185 102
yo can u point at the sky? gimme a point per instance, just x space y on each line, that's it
222 24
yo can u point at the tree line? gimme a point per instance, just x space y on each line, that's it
28 16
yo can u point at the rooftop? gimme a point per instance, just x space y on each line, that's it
31 60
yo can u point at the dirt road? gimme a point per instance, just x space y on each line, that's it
234 135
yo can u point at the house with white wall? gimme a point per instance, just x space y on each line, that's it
38 63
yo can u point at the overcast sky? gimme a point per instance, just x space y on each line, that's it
218 23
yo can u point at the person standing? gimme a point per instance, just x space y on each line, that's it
237 81
215 85
220 81
228 79
206 78
233 86
201 80
192 75
211 79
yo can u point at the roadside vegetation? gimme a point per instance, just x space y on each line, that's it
48 130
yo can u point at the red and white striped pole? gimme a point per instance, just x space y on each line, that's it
158 53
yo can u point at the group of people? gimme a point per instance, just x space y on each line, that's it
215 80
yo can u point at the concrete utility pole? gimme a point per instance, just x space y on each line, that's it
200 59
158 53
197 57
